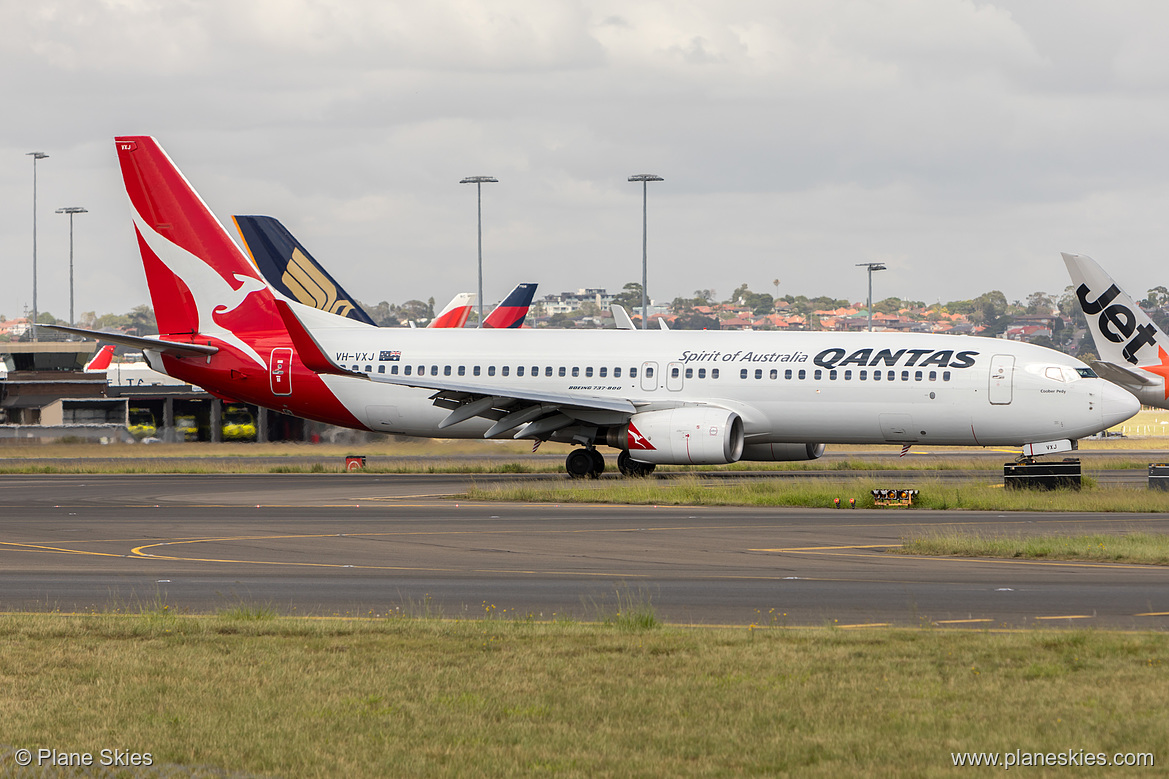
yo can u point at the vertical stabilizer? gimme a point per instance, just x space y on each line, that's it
514 308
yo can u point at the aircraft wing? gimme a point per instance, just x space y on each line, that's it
1122 375
139 342
537 413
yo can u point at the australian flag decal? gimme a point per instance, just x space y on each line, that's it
389 356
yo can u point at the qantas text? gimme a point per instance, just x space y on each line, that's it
837 358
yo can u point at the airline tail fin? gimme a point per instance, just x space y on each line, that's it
101 360
289 268
514 308
201 284
456 313
1123 332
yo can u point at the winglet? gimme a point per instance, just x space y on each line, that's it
306 346
101 360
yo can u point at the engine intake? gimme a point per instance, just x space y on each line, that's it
691 435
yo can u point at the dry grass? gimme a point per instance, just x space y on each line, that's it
411 697
1146 548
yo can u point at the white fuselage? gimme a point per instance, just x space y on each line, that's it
797 387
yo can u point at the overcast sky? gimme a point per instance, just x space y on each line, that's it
965 144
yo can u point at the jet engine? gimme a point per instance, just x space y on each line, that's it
778 453
690 435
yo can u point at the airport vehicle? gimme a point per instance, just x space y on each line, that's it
187 426
238 424
1134 352
659 397
142 423
290 270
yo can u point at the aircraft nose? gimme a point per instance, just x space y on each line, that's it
1117 404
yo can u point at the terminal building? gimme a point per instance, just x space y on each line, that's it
46 394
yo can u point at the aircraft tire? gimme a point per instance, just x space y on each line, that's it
632 468
598 463
579 464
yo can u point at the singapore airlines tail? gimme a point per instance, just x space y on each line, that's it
1134 352
291 270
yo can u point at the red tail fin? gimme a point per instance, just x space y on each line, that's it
200 282
101 360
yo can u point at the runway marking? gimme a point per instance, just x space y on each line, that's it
45 548
1070 616
990 560
960 621
866 625
818 548
1153 614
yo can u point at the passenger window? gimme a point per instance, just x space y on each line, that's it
788 373
519 371
633 373
649 373
818 374
917 375
462 370
446 371
743 374
548 371
674 373
933 375
369 369
381 369
408 369
490 370
702 373
475 370
604 372
535 370
847 375
575 371
832 374
891 375
774 373
616 373
876 375
863 375
589 371
505 370
714 373
394 369
562 371
690 373
803 374
433 370
905 375
945 375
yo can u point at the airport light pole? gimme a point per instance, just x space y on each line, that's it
479 181
872 266
644 178
71 210
36 155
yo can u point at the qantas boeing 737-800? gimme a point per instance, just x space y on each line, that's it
656 396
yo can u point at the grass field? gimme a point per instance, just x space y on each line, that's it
1146 548
251 692
822 493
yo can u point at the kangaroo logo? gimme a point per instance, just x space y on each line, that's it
638 441
1117 322
212 294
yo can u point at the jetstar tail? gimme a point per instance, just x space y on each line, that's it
1134 352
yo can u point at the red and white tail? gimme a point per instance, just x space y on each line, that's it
456 313
101 360
200 282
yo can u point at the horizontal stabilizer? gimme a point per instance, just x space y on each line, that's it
1120 374
139 342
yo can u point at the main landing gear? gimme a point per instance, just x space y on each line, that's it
585 463
630 467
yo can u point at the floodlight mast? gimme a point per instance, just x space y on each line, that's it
479 181
644 178
71 210
872 266
36 155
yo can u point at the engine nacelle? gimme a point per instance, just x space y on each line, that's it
691 435
779 453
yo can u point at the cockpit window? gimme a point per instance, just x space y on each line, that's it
1087 373
1054 373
